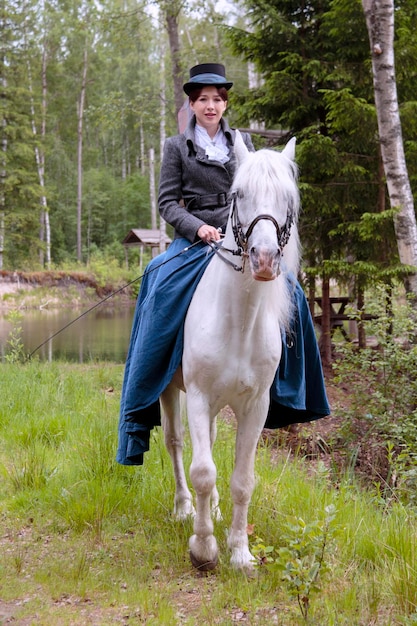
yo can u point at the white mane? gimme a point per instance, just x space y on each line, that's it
266 182
269 174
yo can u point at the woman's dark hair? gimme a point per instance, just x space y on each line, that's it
195 93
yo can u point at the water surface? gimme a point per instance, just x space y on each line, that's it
102 334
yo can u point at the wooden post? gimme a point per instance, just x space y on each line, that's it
326 336
361 326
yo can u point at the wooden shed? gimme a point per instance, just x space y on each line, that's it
146 237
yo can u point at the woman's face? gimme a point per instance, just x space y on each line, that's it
208 109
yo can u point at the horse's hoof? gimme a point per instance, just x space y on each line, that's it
207 566
183 514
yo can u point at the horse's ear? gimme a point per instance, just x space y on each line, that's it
289 150
241 151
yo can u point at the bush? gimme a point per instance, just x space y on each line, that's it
385 389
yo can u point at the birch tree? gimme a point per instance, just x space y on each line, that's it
2 180
80 114
379 15
44 227
162 133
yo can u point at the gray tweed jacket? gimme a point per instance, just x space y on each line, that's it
186 174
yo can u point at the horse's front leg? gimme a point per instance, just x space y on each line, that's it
174 436
215 500
242 483
203 545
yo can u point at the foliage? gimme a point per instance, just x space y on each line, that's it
14 344
42 65
386 389
313 80
302 560
115 147
316 84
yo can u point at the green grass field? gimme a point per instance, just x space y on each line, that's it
86 541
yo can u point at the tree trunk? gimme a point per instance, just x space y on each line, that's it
389 312
326 334
311 290
2 181
172 11
379 15
44 228
162 91
142 148
152 187
162 135
361 310
2 229
47 227
80 153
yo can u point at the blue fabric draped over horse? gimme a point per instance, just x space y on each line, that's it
297 394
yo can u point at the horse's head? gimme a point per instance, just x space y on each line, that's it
265 209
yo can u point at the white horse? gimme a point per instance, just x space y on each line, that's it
232 345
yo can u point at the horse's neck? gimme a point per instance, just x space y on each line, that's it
229 239
238 307
246 299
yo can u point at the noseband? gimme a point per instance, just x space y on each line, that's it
241 238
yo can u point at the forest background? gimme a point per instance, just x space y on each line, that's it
88 95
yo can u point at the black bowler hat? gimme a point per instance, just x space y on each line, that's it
207 74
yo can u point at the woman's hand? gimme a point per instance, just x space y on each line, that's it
208 233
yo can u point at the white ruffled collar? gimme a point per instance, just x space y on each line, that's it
216 149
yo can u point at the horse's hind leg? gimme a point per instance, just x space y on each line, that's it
174 435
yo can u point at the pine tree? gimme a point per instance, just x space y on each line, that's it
314 62
20 185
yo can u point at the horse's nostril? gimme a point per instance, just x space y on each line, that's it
253 250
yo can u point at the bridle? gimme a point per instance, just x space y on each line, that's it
241 238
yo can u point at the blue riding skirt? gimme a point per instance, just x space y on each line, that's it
298 392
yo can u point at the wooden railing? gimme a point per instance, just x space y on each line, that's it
338 315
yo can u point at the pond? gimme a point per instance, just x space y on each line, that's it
100 335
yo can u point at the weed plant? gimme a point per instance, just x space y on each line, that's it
86 541
14 344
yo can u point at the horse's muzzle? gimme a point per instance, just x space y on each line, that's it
264 264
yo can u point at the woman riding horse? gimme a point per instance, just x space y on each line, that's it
197 171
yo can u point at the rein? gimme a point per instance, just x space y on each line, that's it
29 356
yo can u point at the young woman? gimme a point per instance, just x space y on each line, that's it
197 171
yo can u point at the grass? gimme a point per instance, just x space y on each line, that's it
86 541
